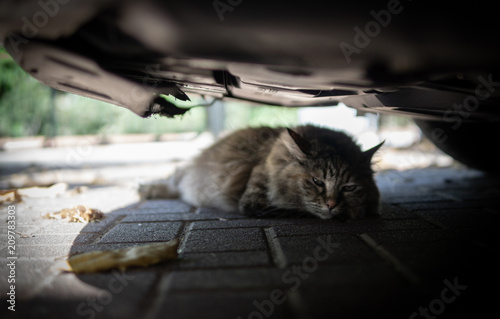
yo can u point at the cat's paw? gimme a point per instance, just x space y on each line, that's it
357 212
260 211
248 209
155 191
362 212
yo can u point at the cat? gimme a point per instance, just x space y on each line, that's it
263 171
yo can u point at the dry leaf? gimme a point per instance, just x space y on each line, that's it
16 195
80 213
77 190
10 196
138 256
51 191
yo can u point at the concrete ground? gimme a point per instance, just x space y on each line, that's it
433 253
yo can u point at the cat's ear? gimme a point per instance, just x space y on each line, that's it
298 146
368 154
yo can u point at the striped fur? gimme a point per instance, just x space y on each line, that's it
277 171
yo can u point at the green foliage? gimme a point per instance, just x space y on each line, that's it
240 115
26 110
27 107
79 115
24 102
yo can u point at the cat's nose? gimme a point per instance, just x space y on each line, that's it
331 204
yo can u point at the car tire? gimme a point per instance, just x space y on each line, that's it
471 143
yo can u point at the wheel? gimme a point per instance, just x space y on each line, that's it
472 143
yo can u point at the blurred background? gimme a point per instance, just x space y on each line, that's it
48 136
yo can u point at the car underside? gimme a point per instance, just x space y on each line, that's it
436 63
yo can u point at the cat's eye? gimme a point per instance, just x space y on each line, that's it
318 182
349 188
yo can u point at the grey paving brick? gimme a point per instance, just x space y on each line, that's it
158 214
464 218
350 250
154 210
43 251
78 249
227 267
413 236
361 301
445 257
216 240
388 211
166 206
355 291
28 275
351 227
50 227
223 279
102 225
210 211
156 206
449 205
249 223
397 197
42 228
65 239
256 258
224 304
431 254
110 295
142 232
334 277
166 217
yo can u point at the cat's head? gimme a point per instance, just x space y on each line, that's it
332 175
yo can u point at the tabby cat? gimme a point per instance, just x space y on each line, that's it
268 171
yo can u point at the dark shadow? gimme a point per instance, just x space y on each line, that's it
433 250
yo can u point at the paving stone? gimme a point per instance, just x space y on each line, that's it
28 275
223 279
254 258
156 206
148 210
350 250
225 304
465 218
431 254
51 226
102 225
351 227
110 295
65 239
398 198
449 205
361 301
42 251
388 211
166 206
78 249
213 212
159 214
354 291
48 228
142 232
436 225
216 240
250 223
336 276
413 236
167 217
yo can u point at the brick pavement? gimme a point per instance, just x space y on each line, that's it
432 254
